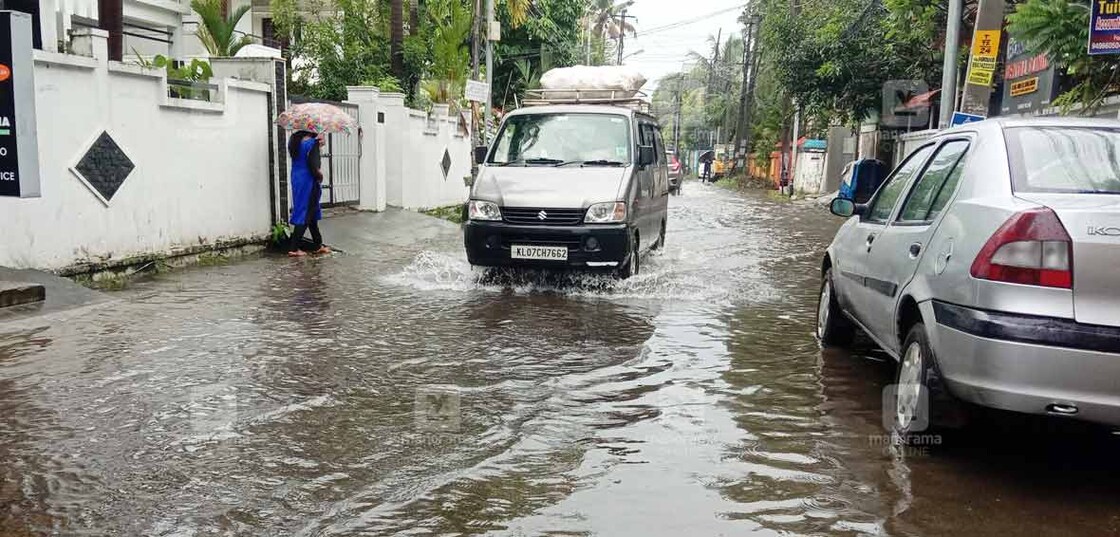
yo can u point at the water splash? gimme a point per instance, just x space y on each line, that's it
663 276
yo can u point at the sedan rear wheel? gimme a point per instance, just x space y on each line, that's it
921 400
909 409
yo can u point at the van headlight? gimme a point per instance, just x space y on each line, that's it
606 213
484 210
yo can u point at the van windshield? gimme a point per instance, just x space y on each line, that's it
1071 160
556 139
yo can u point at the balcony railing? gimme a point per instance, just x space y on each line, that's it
192 91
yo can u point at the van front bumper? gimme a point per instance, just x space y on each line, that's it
489 244
1029 364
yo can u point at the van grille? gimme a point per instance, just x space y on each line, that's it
542 216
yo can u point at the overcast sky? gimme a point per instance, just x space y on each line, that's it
665 50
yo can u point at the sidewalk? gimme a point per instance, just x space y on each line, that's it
62 295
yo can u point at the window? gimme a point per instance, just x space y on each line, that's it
919 207
659 145
531 139
947 191
887 197
1064 159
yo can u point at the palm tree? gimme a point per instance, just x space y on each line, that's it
606 21
218 27
414 17
396 37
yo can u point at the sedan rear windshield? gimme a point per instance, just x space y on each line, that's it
1064 159
554 139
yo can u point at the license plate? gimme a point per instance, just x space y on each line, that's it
548 253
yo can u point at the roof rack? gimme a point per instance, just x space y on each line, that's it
635 100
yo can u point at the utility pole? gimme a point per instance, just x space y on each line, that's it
588 44
489 69
741 131
949 65
621 35
677 120
715 60
475 54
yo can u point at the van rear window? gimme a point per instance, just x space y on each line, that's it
1072 160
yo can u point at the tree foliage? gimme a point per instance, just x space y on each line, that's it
834 60
550 37
218 24
339 43
336 43
450 24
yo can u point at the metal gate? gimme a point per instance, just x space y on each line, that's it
342 165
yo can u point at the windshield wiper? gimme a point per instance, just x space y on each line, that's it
553 161
583 163
526 162
602 163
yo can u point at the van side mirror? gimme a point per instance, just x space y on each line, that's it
846 208
480 154
646 155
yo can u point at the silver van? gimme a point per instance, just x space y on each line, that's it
571 187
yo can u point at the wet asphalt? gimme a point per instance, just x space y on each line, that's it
392 390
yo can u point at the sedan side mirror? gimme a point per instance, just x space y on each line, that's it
480 154
646 155
845 207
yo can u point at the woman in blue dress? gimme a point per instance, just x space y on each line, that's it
307 179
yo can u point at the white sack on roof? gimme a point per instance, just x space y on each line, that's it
616 81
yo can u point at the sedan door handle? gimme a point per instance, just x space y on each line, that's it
915 250
870 241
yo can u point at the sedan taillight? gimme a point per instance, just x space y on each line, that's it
1031 248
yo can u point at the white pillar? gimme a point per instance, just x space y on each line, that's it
48 24
395 129
372 164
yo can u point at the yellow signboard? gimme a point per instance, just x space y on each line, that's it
980 77
985 51
985 44
1024 87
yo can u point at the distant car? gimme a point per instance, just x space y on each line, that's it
676 173
986 265
719 168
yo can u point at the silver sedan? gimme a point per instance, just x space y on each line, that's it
988 265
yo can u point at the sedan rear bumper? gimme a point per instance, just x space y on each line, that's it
1030 364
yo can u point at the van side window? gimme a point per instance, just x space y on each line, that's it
645 135
659 146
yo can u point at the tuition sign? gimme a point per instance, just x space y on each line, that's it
1104 27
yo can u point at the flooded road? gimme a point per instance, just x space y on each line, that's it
389 391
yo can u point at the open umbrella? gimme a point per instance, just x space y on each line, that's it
316 117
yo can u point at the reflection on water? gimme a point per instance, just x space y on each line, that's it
395 390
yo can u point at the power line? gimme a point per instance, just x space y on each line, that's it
678 24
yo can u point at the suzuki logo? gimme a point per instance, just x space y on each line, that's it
1105 231
542 215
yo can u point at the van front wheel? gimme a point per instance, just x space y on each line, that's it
633 263
660 239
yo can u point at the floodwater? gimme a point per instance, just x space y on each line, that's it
393 391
